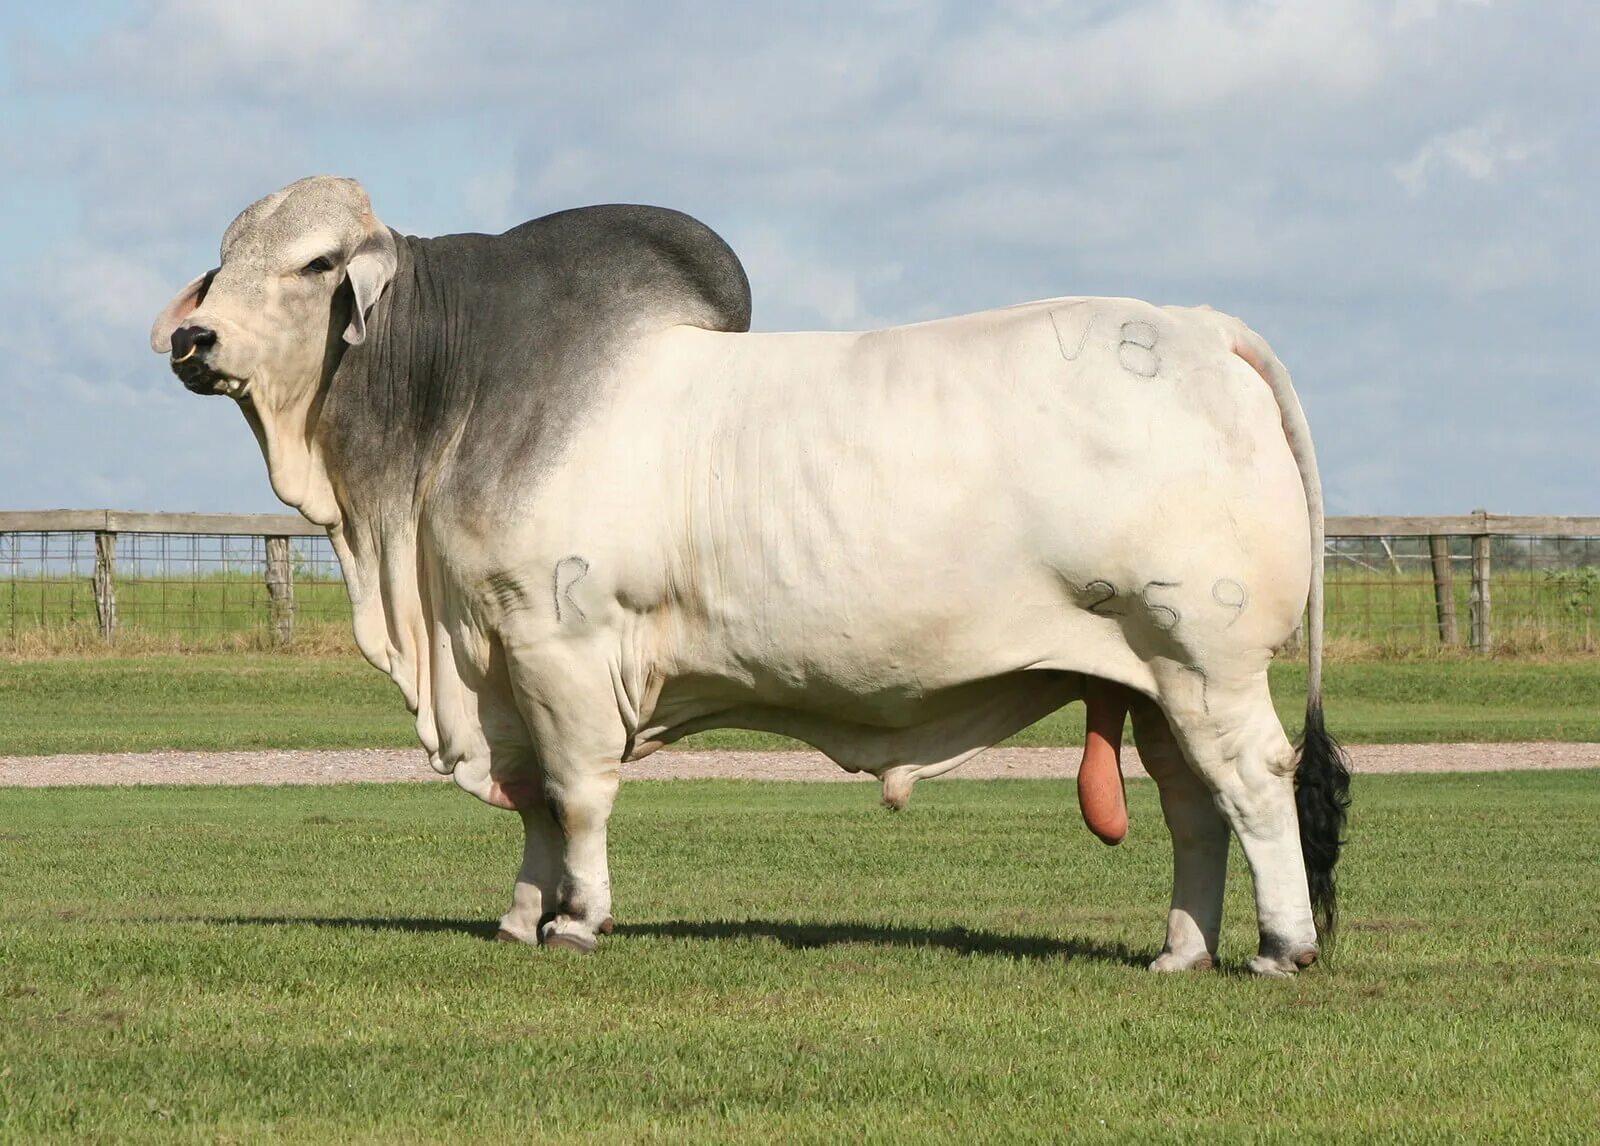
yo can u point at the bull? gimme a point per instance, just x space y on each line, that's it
582 512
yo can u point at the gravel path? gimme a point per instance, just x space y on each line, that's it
393 764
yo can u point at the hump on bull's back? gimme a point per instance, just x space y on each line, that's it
675 260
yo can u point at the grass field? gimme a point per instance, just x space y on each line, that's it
1373 612
241 701
791 962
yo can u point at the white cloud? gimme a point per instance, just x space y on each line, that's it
799 289
1337 172
1408 13
1480 152
1051 64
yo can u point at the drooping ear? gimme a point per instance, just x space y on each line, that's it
370 269
173 314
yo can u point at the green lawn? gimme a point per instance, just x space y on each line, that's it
792 962
217 701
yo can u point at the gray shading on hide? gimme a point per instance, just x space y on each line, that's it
486 352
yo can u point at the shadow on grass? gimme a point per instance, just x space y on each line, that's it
961 940
476 928
790 933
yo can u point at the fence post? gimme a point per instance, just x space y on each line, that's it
105 584
1482 636
280 589
1444 593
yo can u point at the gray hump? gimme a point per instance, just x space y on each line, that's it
665 260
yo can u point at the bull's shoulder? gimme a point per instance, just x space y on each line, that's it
660 258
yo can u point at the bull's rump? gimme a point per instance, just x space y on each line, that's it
891 514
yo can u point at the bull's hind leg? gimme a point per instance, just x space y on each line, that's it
1229 731
1199 845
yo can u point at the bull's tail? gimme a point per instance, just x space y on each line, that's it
1322 775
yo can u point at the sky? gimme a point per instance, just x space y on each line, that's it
1398 194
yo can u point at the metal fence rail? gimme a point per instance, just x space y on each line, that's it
1479 580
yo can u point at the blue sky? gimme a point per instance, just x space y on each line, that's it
1400 194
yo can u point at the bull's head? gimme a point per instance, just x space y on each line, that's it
300 268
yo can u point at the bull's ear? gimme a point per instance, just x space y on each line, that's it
370 269
173 314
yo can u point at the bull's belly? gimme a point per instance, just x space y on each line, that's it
914 726
937 675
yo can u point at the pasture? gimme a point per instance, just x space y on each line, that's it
791 962
1372 612
242 701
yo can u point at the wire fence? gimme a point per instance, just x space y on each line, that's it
180 583
1397 585
1537 594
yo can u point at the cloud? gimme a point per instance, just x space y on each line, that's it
1050 63
1396 192
1481 151
1408 13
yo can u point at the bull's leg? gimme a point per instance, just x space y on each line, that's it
1228 729
570 709
1199 845
580 802
539 879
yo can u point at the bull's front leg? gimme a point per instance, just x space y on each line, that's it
564 692
580 803
539 878
1199 845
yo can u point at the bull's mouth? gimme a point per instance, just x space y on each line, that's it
200 378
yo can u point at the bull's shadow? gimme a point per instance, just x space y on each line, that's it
961 940
790 933
476 928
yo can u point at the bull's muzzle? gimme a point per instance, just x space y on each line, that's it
190 345
187 341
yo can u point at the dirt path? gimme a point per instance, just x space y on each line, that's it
393 764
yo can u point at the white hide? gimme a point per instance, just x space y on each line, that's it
866 540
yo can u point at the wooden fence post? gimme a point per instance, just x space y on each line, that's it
280 589
105 583
1482 635
1444 592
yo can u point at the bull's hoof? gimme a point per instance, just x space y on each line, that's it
1274 965
1170 962
1270 968
504 936
566 940
607 926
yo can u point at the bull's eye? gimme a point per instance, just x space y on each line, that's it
319 265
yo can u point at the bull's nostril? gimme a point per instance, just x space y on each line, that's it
189 340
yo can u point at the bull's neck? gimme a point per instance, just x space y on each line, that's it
387 421
394 404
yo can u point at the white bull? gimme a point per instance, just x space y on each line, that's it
582 514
